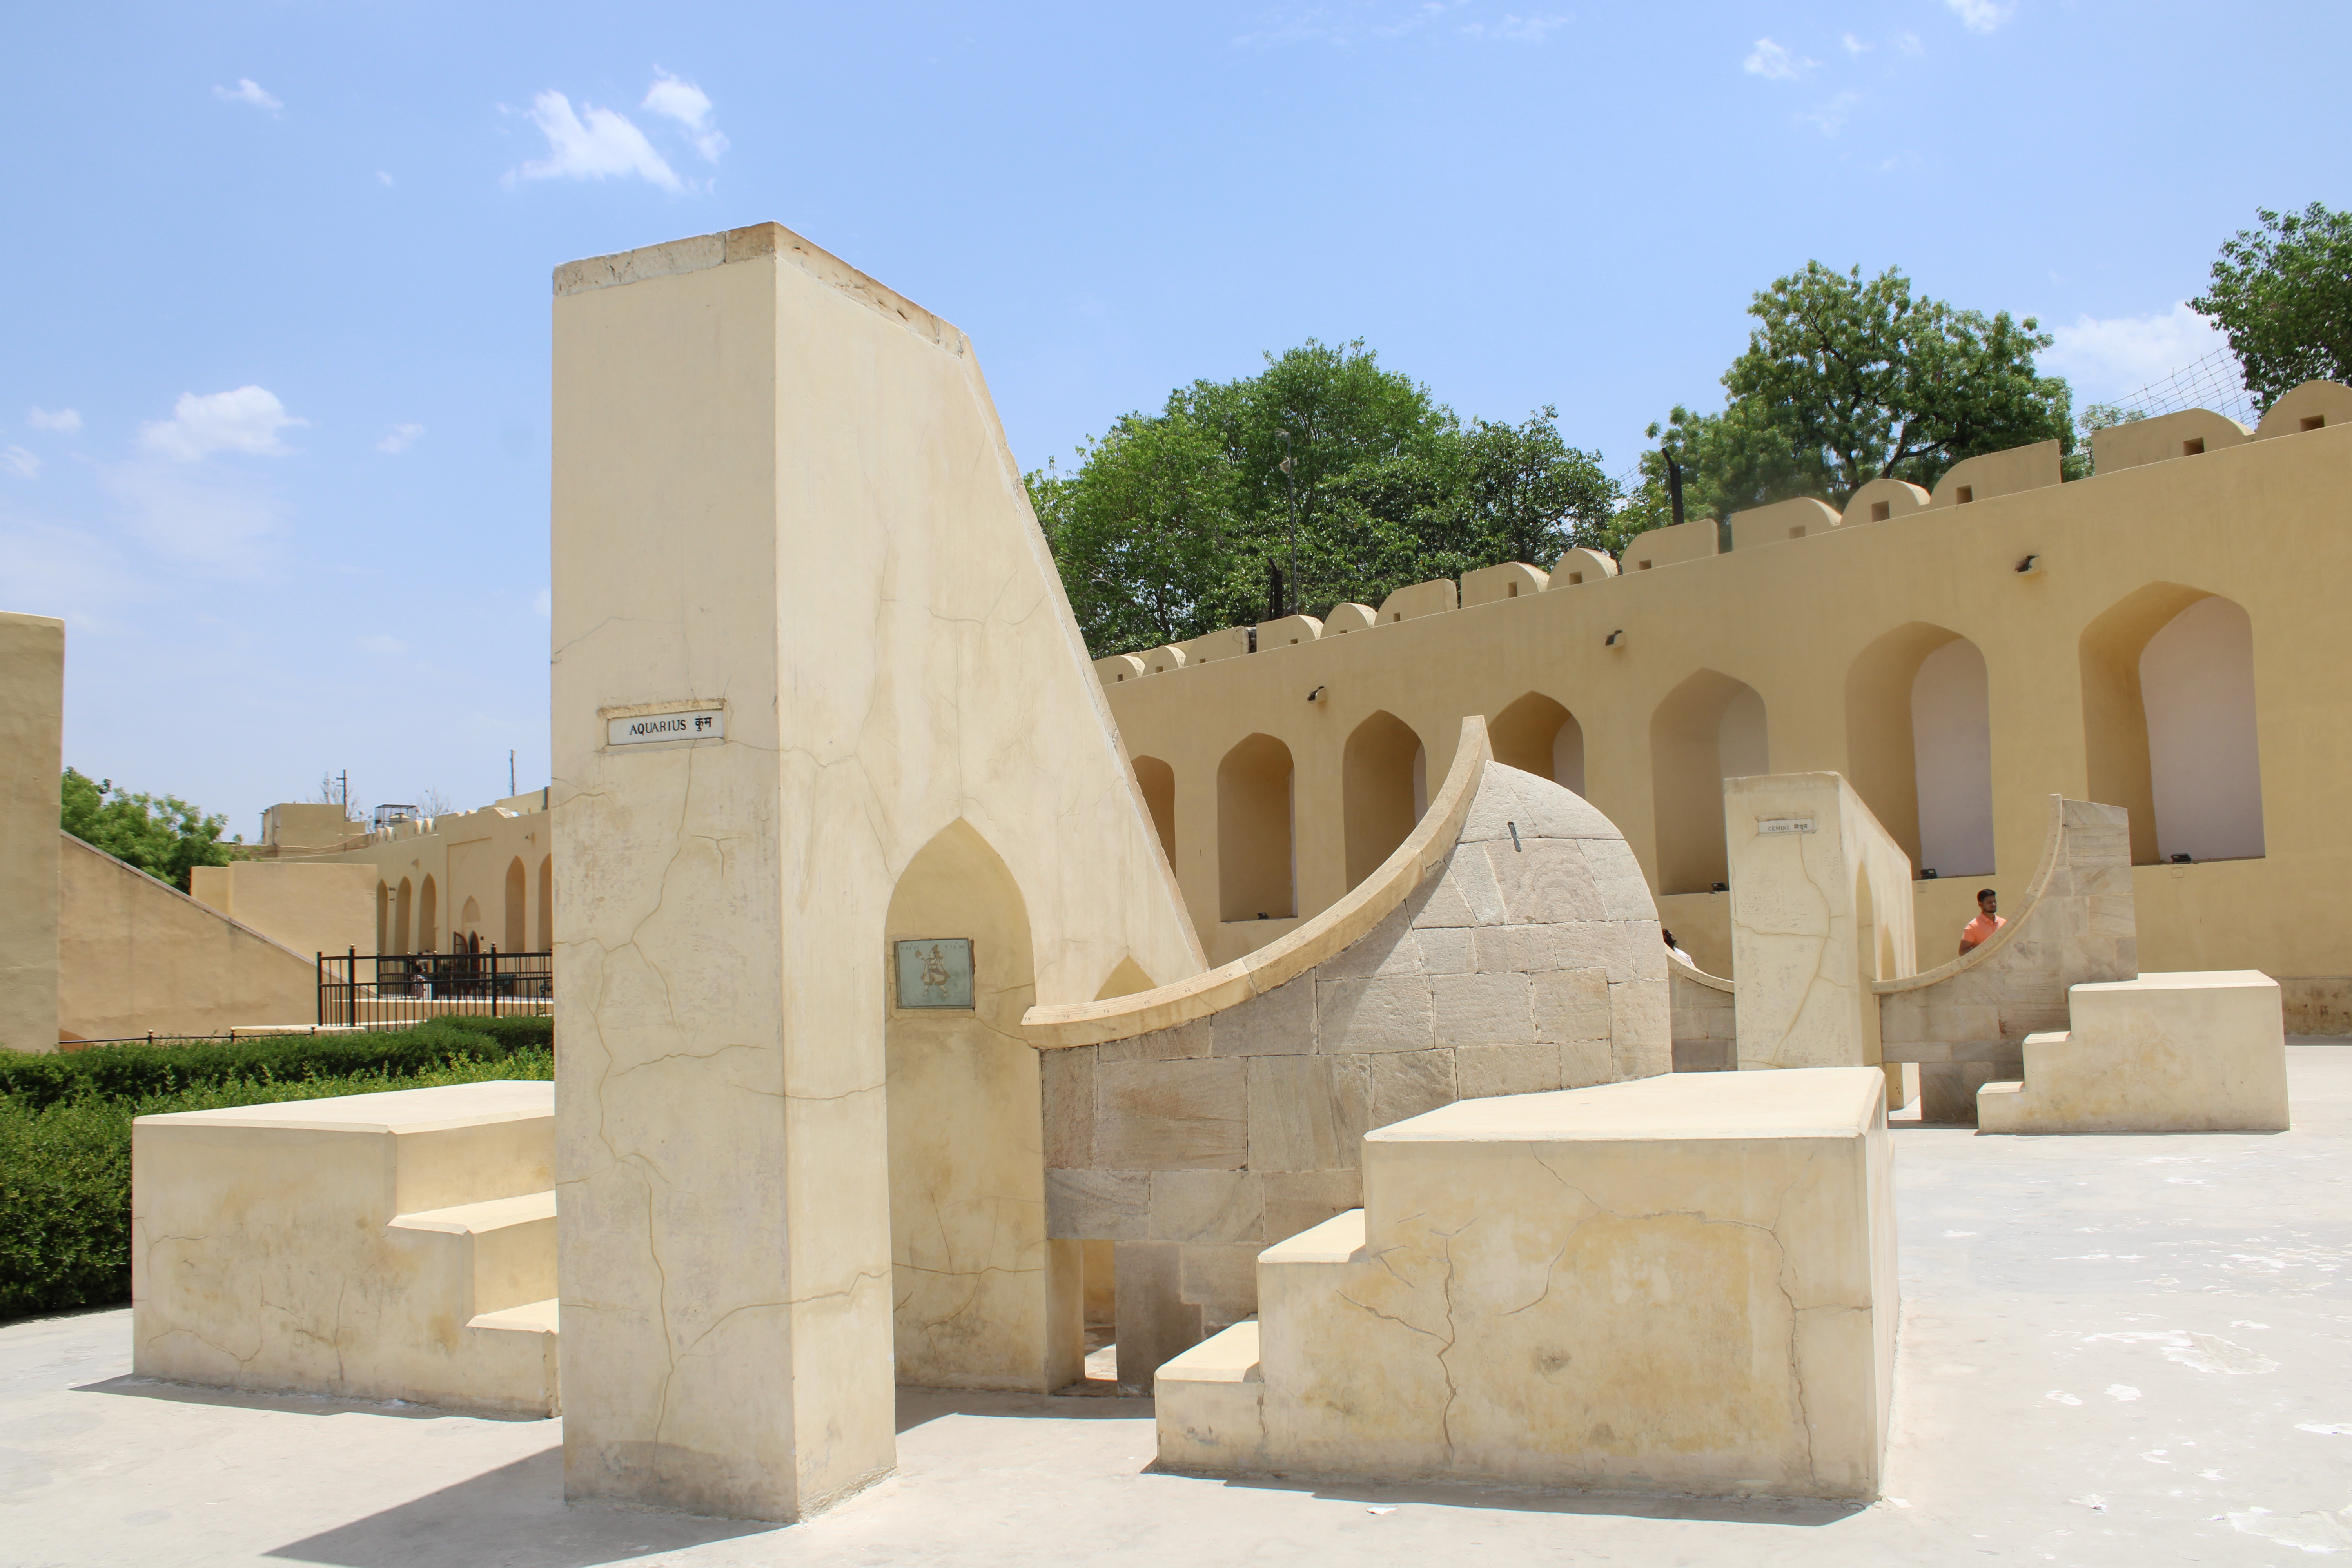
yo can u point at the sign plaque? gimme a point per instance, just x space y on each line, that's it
686 724
935 971
1784 824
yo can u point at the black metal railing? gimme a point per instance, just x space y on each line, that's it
358 987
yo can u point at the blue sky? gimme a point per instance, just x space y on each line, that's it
273 372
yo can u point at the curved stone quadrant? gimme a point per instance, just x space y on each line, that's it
1523 955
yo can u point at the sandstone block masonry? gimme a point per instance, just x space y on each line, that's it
1529 959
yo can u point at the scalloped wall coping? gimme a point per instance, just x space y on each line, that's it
1287 957
1691 973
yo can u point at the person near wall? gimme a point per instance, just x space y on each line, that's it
1988 922
1676 951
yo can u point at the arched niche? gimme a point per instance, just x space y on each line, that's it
2168 722
1157 780
1538 735
469 921
1919 745
383 917
1711 728
547 904
402 898
970 1263
1384 789
517 922
428 917
1256 873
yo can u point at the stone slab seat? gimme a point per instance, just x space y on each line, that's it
389 1245
2201 1051
1683 1284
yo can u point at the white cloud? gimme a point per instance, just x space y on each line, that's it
1908 42
1832 116
247 91
2117 356
20 462
544 605
1518 29
64 421
376 642
244 420
1855 46
1981 15
605 144
1774 63
690 107
399 438
383 178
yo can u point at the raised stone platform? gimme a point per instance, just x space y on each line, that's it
1679 1284
395 1245
2196 1052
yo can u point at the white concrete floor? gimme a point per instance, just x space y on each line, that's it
2132 1350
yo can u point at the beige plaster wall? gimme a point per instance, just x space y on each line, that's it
32 716
308 906
1819 912
136 955
1798 621
2192 432
780 488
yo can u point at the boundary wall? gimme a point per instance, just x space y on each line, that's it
1799 656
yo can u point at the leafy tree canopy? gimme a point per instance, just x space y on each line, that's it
163 836
2283 295
1847 379
1175 524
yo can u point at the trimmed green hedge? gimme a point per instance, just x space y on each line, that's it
65 1137
134 1072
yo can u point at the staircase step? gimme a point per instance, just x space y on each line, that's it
502 1250
476 1220
532 1318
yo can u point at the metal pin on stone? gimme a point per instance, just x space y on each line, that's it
1515 837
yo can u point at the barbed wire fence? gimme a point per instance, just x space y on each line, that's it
2214 381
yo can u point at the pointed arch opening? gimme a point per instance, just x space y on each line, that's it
402 900
1711 728
1157 780
972 1272
1919 745
428 917
547 904
1256 862
383 917
1384 789
2169 726
1538 735
517 923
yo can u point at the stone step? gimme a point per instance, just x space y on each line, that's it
504 1248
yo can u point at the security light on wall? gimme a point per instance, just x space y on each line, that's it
2030 567
1615 639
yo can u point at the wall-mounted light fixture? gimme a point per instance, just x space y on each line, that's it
2030 567
1615 639
1316 695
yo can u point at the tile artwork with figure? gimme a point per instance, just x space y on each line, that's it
935 971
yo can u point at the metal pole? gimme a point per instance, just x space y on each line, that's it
1289 473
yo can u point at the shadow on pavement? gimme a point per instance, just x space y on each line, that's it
514 1516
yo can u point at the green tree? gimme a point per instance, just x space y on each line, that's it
1847 379
2283 295
163 836
1175 524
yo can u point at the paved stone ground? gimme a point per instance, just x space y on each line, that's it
2115 1351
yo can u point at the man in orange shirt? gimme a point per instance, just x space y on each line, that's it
1988 922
